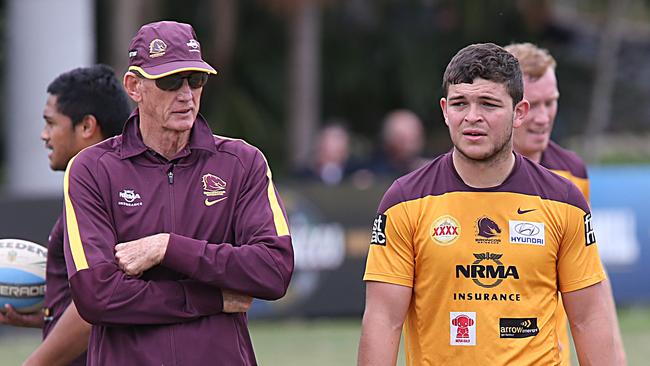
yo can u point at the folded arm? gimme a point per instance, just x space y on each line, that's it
259 262
102 292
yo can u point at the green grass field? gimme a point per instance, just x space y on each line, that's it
330 342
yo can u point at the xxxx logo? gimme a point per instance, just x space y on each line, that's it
214 188
444 230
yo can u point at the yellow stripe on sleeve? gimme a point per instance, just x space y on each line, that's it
281 226
78 254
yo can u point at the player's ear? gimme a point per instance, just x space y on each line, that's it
443 106
132 85
520 112
88 126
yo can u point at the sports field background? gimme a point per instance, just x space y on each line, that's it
327 342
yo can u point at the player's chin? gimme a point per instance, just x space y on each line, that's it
477 153
56 165
182 122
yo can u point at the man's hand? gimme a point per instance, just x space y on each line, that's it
234 302
137 256
10 316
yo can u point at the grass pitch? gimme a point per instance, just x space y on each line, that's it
327 341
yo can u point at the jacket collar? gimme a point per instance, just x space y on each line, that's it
132 144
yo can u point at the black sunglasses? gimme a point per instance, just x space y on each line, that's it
196 79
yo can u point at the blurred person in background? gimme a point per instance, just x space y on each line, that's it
330 159
84 106
171 230
478 242
402 145
533 140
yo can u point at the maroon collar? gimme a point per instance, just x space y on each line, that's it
200 138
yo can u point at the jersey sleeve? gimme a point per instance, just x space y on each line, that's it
578 264
391 253
584 188
103 294
260 262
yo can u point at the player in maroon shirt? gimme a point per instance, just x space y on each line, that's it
84 106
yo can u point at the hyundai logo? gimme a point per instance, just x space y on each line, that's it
527 229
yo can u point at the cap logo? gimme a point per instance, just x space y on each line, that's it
193 44
157 48
133 53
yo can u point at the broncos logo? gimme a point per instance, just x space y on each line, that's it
487 228
157 48
213 183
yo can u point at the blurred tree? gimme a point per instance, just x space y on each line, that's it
286 65
606 72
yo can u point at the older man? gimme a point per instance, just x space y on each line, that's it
170 229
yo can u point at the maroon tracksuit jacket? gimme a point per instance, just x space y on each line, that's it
228 231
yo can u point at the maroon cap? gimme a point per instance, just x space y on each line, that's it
163 48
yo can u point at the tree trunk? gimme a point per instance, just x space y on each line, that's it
605 81
127 16
224 30
304 79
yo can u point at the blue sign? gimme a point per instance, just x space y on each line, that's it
620 198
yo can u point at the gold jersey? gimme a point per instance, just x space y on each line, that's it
567 164
485 265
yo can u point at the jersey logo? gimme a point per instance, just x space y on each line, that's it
462 328
379 230
518 327
590 235
482 273
521 212
527 232
445 230
488 231
210 203
213 186
128 197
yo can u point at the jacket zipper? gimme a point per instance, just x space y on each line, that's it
170 180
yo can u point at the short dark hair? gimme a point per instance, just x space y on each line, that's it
93 91
486 61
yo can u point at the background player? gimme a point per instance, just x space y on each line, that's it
453 250
84 106
533 140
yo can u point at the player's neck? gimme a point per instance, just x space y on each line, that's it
535 156
165 142
484 174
